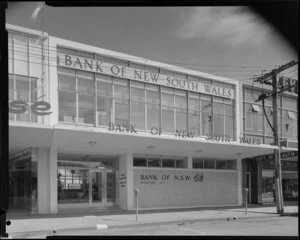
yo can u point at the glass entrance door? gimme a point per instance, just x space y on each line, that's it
102 188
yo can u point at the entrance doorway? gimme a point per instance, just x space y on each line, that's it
102 188
83 184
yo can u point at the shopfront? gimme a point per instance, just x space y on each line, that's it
86 181
262 184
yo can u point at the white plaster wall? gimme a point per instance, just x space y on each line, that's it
125 190
217 188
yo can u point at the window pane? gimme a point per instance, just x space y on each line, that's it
138 114
121 91
11 87
218 124
22 88
228 109
231 164
229 126
181 101
167 119
194 119
194 104
168 163
153 162
35 58
138 94
289 103
86 109
152 94
139 162
121 111
218 108
20 54
104 109
180 163
205 106
209 164
206 123
104 85
197 163
181 119
66 79
221 164
85 82
167 99
67 106
153 116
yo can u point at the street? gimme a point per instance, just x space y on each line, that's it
273 226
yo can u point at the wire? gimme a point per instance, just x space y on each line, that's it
139 58
208 75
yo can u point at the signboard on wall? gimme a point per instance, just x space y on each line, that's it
93 65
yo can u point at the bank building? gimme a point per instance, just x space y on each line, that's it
89 126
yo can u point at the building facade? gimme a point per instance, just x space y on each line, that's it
259 171
89 126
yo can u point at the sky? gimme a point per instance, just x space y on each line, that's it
230 42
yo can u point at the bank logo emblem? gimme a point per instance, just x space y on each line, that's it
198 178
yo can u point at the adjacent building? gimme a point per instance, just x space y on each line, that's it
89 126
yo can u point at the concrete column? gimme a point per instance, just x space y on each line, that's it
53 180
190 162
47 180
43 180
126 193
52 83
239 176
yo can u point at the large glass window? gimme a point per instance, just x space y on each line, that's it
104 100
206 112
181 110
137 105
153 106
194 113
86 98
121 94
167 109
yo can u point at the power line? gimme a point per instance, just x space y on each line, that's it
117 56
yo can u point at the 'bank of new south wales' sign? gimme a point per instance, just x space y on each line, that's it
93 65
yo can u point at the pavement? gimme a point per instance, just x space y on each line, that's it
47 225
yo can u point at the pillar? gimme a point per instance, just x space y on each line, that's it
47 180
125 181
43 180
239 178
53 180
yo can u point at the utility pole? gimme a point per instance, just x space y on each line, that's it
273 76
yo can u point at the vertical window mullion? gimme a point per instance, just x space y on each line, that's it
95 102
187 95
212 115
113 101
160 107
129 104
174 112
146 107
77 97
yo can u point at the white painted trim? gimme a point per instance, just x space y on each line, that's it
25 30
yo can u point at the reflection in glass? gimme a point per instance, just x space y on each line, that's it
73 185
